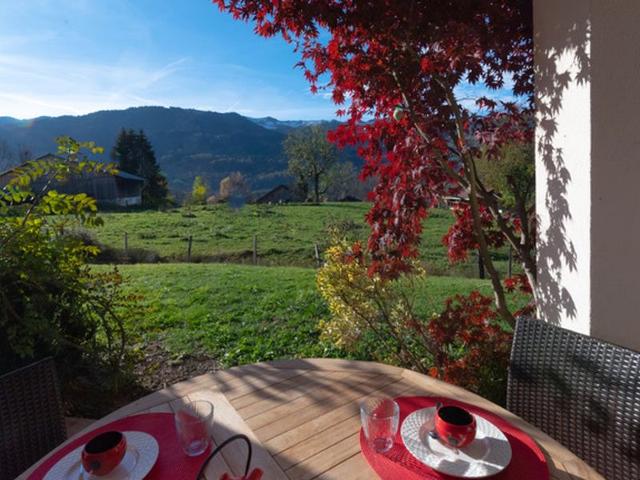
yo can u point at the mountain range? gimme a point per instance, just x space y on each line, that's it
187 142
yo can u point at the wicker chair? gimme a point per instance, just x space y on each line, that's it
31 416
583 392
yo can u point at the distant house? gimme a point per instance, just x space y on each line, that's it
349 198
122 189
450 201
280 194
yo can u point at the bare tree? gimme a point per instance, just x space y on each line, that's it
342 181
235 185
6 155
24 154
311 156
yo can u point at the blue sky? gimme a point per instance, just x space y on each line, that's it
77 56
60 57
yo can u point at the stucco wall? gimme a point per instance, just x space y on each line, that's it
563 158
615 171
587 166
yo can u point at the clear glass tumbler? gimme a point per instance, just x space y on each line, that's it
193 425
380 417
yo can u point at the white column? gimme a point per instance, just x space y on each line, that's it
588 166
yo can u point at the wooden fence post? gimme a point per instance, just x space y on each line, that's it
189 248
255 250
317 255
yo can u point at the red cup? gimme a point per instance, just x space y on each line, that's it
256 474
103 453
455 426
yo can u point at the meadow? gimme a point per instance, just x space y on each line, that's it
219 310
286 234
241 314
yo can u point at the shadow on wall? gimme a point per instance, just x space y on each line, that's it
557 45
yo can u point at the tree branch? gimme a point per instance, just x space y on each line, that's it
472 176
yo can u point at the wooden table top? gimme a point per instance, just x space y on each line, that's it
303 419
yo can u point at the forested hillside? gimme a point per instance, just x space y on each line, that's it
187 142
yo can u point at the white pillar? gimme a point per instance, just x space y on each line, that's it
588 166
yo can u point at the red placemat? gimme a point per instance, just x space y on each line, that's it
172 463
527 461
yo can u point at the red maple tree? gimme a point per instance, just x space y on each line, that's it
393 67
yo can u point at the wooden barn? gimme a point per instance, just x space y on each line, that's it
280 194
122 189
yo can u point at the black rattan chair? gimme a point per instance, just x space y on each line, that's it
31 416
581 391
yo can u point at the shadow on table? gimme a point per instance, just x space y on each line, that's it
300 377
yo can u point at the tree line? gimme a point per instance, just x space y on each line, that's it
313 165
8 156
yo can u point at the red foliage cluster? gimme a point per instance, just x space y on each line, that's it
460 238
377 55
519 283
469 340
356 254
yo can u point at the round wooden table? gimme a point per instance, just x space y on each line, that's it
303 419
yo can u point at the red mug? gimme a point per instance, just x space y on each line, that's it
256 474
103 453
455 426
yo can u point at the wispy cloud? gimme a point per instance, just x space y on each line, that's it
78 56
46 86
148 78
30 102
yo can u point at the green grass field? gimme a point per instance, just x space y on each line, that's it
241 314
286 234
219 310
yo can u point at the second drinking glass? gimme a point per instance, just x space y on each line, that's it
193 425
380 417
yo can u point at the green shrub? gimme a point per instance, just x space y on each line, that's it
51 303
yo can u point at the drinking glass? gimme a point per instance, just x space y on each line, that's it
193 425
380 417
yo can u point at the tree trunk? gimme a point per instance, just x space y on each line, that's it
483 249
471 175
316 187
470 178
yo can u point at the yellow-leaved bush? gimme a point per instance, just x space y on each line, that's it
364 305
375 318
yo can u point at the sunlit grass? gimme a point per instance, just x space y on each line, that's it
242 314
286 234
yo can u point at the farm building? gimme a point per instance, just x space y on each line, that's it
280 194
350 198
122 189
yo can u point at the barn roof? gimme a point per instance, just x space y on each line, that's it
270 192
129 176
120 174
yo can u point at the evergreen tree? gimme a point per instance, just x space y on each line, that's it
155 190
123 152
134 154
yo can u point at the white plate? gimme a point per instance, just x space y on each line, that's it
141 455
488 454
